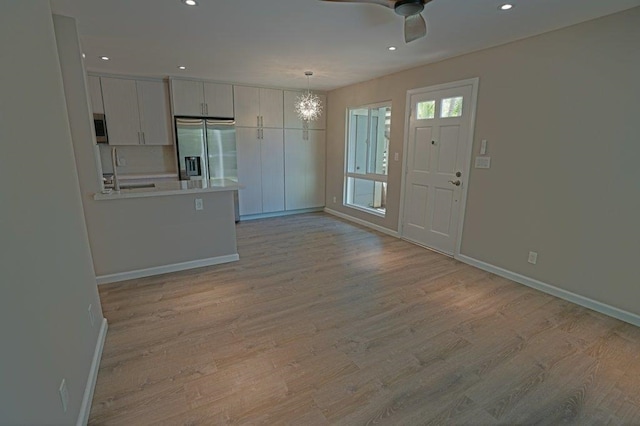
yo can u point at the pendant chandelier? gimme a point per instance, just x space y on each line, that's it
308 105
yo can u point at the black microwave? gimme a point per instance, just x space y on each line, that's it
100 127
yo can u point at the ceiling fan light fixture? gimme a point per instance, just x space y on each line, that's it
408 7
308 105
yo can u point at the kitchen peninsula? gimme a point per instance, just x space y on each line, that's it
169 227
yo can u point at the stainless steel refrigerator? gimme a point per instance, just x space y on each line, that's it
207 150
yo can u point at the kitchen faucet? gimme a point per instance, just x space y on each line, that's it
114 163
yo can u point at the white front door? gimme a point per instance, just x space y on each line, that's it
439 134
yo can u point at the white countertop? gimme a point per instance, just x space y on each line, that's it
164 188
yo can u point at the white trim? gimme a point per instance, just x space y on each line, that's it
474 83
362 222
282 213
85 408
603 308
467 171
158 270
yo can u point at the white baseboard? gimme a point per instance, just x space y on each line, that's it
85 408
282 213
603 308
158 270
362 222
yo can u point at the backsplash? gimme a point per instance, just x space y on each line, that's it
140 159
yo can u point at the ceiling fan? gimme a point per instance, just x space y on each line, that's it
415 26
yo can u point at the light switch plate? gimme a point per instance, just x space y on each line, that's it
483 147
533 257
199 205
483 162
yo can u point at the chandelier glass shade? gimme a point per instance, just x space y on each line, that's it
308 105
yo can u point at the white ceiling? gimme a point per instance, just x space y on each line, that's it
272 42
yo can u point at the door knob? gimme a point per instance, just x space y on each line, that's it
456 183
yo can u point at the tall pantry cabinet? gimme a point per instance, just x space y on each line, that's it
260 146
304 157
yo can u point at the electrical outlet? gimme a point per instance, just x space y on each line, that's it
199 205
92 318
396 156
533 257
64 394
334 200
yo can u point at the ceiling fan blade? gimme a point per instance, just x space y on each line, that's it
415 27
386 3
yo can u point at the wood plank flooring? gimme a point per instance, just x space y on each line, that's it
326 322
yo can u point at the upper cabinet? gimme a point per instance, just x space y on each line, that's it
202 99
136 111
153 102
291 119
95 93
258 107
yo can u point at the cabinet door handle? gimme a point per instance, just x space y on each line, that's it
258 132
261 121
206 108
139 139
261 133
257 121
144 139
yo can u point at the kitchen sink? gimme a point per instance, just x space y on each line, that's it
137 185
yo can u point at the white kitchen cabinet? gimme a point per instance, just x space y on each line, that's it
153 101
260 170
121 110
137 112
95 94
304 156
272 155
249 171
202 99
258 107
291 119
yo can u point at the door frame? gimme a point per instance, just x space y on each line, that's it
474 83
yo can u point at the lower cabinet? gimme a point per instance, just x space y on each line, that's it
260 170
304 159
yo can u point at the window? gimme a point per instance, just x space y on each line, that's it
451 107
426 110
367 157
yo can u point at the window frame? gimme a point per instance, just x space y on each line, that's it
373 177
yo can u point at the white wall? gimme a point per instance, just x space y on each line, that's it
47 279
560 112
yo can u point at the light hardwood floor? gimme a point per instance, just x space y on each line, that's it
326 322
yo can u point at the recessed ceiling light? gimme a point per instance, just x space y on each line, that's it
506 6
182 67
392 48
84 56
104 58
190 2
